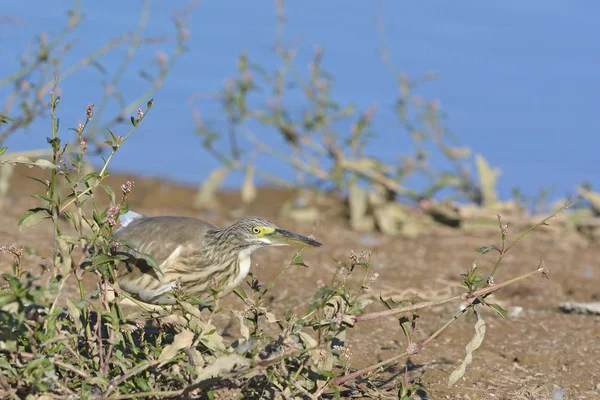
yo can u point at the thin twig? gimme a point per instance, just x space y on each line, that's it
136 370
343 379
394 311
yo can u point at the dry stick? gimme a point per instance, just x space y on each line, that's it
394 311
465 296
299 387
343 379
491 289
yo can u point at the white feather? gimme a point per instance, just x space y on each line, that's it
129 217
245 263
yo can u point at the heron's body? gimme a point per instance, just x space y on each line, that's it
193 255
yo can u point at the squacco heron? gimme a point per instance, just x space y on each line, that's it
193 255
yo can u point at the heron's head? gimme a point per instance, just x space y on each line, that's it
260 232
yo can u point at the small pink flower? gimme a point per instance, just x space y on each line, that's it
126 187
89 112
113 212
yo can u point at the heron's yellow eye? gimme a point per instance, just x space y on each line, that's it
256 230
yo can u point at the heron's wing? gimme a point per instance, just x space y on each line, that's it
160 237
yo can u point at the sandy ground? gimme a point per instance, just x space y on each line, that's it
537 353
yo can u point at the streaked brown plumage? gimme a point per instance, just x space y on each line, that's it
193 255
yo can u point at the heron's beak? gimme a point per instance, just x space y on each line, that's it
283 237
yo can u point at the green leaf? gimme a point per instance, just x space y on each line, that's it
34 216
141 383
75 314
3 150
6 298
38 180
298 260
114 137
485 249
110 191
69 215
362 303
4 119
89 176
391 303
96 217
239 292
43 197
99 381
55 143
101 259
327 374
146 257
501 311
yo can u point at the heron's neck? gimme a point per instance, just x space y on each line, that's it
223 243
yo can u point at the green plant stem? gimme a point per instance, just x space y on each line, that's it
92 187
565 205
281 271
101 175
435 334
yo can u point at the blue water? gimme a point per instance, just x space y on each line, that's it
518 80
